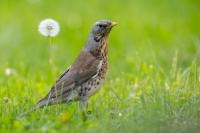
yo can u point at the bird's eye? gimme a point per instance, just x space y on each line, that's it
100 26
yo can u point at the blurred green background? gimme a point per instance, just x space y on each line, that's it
149 30
153 39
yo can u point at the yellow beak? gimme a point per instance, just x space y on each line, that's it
113 24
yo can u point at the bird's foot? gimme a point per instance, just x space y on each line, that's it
86 115
89 112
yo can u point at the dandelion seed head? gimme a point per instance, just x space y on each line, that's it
49 28
9 71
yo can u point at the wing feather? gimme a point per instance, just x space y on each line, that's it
84 67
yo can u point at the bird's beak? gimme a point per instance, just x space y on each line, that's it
113 24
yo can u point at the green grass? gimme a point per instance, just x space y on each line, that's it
153 81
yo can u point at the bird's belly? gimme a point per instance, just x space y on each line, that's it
93 90
91 87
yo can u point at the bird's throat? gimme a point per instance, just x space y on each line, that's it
101 50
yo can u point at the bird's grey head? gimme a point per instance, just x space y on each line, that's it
100 30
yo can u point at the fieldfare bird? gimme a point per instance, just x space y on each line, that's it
84 77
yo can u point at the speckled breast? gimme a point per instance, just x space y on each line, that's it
90 87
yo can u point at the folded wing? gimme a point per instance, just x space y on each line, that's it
84 67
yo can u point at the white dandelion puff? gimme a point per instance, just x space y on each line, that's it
49 28
9 71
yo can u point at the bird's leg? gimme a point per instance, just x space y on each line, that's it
83 109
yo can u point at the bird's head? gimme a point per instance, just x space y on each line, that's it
101 29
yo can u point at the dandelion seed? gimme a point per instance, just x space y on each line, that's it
9 71
49 28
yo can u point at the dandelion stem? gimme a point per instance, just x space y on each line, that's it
51 61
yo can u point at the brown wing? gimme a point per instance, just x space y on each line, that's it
84 67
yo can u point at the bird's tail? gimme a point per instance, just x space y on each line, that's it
29 111
41 104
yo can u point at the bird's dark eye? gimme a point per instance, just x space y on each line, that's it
100 26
